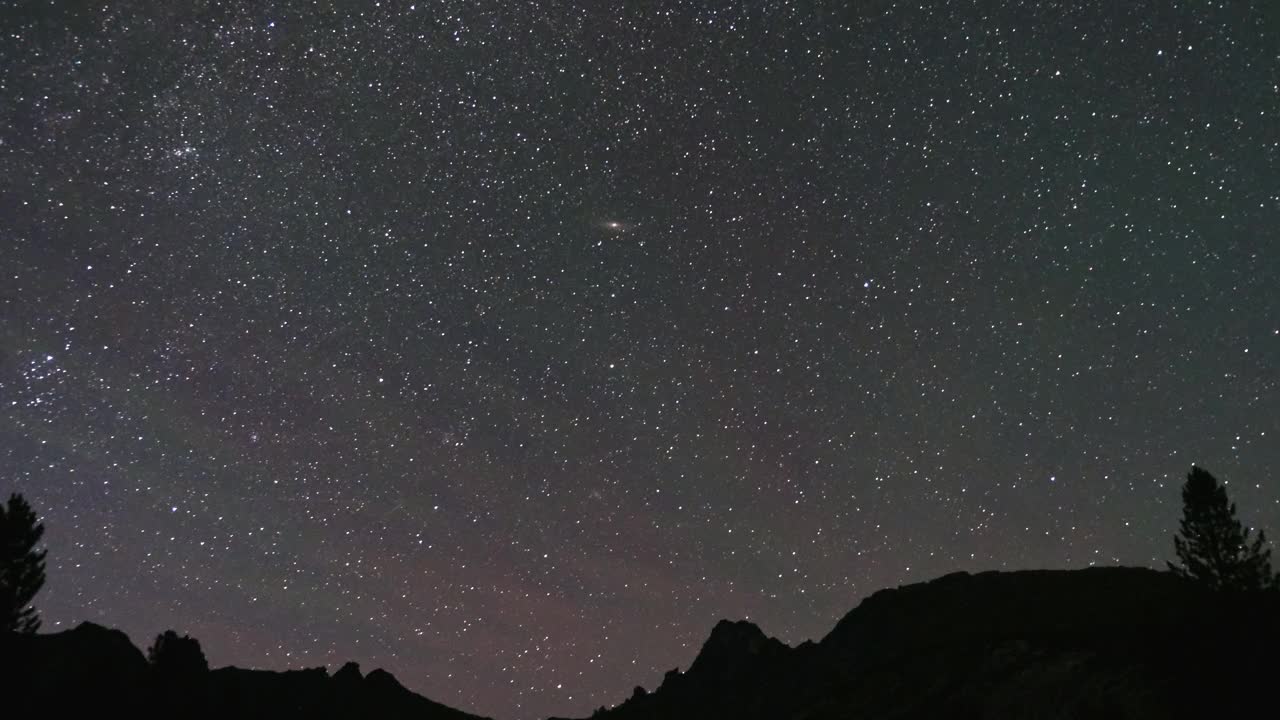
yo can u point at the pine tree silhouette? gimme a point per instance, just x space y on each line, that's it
1212 545
180 674
21 566
175 656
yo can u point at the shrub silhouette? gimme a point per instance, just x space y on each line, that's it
21 566
177 657
1212 546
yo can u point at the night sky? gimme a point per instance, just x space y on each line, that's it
510 345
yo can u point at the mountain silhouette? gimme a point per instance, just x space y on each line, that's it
1096 643
1112 643
92 671
87 667
733 648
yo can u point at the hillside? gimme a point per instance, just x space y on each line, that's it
92 669
1096 643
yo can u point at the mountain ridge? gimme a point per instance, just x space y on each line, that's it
1113 642
89 667
1099 642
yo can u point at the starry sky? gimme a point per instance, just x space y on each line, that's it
510 345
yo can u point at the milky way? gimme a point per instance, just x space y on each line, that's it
509 345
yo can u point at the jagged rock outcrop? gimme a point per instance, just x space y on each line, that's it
731 648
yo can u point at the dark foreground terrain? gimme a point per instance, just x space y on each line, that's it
94 672
1098 643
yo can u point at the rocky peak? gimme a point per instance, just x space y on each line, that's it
732 645
348 676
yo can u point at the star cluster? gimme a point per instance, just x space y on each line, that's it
509 345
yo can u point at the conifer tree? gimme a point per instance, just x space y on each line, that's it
177 656
21 566
1211 544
